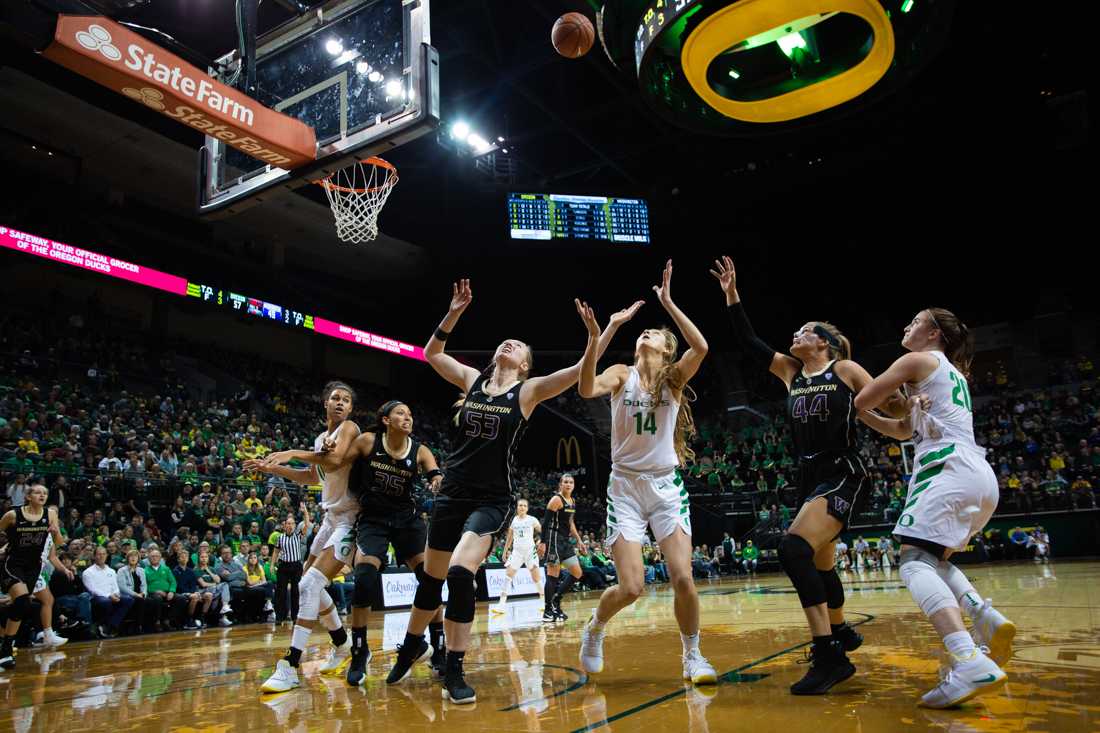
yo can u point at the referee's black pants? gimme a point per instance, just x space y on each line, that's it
286 586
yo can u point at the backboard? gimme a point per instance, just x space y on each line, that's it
362 73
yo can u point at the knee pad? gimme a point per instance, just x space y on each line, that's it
366 578
309 594
834 589
460 601
797 558
429 592
918 570
21 608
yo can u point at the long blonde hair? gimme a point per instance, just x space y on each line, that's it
668 374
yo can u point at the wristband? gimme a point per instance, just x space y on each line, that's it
441 335
433 473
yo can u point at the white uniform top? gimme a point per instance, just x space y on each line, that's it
950 418
523 533
841 548
642 433
334 484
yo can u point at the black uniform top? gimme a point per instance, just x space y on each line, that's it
556 523
384 484
489 431
822 412
27 539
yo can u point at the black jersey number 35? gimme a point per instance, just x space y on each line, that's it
819 407
482 426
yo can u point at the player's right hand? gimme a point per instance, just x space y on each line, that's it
462 296
725 274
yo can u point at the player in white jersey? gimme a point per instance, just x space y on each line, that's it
886 553
333 546
841 554
650 424
49 637
519 550
952 495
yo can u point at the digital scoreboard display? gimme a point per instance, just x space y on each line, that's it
557 216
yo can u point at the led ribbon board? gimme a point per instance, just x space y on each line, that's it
85 259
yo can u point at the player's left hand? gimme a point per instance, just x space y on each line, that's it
621 317
922 401
582 548
588 316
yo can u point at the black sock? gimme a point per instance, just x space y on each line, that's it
358 638
563 587
412 642
839 627
823 640
454 660
435 630
339 636
551 589
294 656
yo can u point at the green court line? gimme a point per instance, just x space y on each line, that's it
665 698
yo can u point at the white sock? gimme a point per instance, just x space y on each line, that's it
969 600
595 622
300 637
331 619
960 644
690 642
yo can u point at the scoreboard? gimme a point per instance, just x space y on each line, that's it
557 216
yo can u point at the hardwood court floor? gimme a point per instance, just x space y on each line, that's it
527 676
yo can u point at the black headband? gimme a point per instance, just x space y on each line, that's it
827 337
387 408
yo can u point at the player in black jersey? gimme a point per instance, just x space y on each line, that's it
477 495
385 465
822 382
26 529
558 527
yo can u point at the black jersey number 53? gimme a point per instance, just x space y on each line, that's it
482 426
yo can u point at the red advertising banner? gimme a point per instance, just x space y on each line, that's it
119 59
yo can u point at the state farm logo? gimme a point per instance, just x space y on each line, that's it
152 98
96 38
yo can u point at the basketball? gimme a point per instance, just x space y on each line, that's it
573 35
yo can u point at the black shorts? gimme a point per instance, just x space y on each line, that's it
12 573
841 480
560 550
406 532
451 518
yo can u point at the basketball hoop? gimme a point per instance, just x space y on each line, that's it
357 194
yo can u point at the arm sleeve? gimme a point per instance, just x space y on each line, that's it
750 344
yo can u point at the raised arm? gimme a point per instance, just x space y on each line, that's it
447 366
539 389
697 345
303 476
763 356
590 385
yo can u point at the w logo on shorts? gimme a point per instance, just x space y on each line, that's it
841 505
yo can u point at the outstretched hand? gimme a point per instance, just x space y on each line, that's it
589 318
621 317
725 274
462 296
664 290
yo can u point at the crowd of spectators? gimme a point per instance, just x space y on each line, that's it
165 528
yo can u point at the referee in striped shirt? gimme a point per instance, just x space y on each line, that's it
287 559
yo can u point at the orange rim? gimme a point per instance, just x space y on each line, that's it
391 179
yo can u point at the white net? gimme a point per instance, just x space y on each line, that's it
357 194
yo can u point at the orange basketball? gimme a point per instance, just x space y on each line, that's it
573 35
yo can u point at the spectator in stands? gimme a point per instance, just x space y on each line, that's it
210 581
132 584
107 599
17 490
187 587
750 555
258 581
162 588
70 597
249 600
